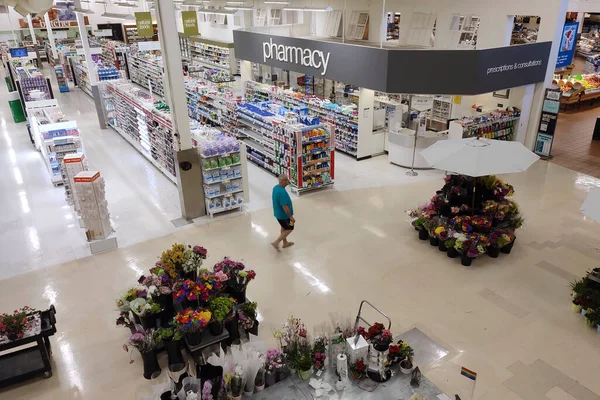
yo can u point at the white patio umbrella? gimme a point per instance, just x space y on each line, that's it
479 157
591 205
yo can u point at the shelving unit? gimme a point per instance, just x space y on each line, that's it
54 137
224 172
497 125
145 69
210 53
91 197
441 112
81 76
131 112
343 121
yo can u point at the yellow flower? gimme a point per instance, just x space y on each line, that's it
439 230
206 315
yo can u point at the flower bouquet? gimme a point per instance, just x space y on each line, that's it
194 257
236 383
143 341
358 368
275 367
192 323
126 321
247 317
259 381
14 325
221 308
172 260
147 311
171 338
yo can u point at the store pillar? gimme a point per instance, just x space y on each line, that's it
246 71
54 54
91 70
189 173
34 40
540 88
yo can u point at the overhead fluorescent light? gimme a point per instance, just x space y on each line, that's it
99 2
83 11
125 4
217 12
276 2
306 9
237 8
126 17
239 3
197 3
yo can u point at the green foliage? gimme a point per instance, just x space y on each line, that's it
304 362
167 335
221 307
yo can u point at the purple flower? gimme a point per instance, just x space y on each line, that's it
200 251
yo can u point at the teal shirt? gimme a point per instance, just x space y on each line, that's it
281 198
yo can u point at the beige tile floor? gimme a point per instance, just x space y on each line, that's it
508 319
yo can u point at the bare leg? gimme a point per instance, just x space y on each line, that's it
282 238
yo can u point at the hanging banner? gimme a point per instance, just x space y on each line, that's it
190 23
547 125
567 45
143 21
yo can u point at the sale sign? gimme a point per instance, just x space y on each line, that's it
567 45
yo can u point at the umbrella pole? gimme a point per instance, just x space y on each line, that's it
473 202
412 171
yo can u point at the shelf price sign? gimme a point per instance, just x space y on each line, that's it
143 21
547 125
190 23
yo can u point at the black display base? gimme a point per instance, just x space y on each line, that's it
375 376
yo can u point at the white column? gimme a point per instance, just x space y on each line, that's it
189 172
245 71
54 54
580 18
538 98
31 30
172 76
86 49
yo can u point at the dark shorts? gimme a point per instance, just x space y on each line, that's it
286 224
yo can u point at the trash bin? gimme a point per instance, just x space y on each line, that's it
596 134
14 102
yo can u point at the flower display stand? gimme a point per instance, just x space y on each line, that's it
18 366
207 340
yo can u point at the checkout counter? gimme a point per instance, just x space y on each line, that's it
401 146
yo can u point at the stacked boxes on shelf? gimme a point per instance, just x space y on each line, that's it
93 208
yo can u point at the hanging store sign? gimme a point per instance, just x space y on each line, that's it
143 22
190 23
567 45
456 72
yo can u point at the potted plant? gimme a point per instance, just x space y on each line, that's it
259 381
450 250
405 350
143 341
147 311
236 383
220 308
304 365
394 354
14 325
172 339
192 323
406 366
380 337
247 317
358 368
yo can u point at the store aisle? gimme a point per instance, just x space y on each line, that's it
505 318
41 230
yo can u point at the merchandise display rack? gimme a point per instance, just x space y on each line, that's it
342 119
93 207
131 112
211 53
72 165
81 76
224 171
54 136
282 145
501 125
145 68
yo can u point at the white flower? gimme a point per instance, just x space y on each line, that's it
460 236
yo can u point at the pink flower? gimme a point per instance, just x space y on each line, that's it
221 276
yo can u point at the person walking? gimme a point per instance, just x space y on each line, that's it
283 211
